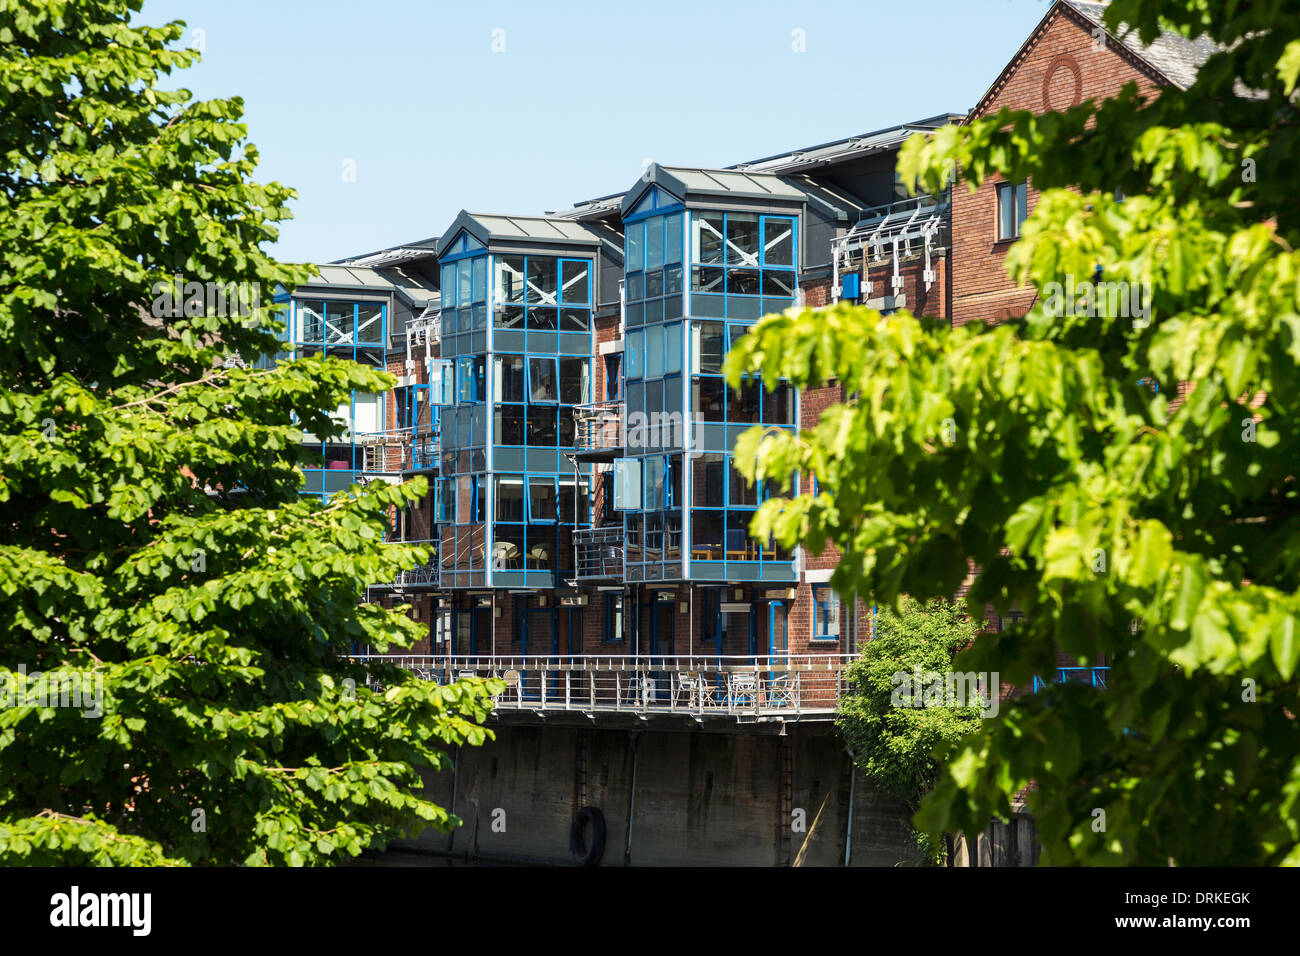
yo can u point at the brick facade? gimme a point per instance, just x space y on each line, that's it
1062 64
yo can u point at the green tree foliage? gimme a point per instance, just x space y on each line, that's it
1164 537
893 745
152 537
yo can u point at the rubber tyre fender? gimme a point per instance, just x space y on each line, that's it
587 853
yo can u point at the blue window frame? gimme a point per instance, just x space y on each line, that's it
743 265
355 329
544 294
826 613
653 261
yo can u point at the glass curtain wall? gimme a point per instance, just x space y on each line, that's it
355 330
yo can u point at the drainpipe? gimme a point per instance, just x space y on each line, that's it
631 803
573 537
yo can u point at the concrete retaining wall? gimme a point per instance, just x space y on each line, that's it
741 796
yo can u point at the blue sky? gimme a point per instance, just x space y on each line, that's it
434 120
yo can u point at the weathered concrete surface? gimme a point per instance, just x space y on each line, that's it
725 796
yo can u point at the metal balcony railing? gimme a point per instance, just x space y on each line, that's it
400 450
599 427
420 576
748 689
599 552
1092 676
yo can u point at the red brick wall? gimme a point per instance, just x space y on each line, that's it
1044 75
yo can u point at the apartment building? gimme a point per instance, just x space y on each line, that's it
560 387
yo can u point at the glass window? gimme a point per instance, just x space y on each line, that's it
778 241
370 322
707 279
613 630
636 397
707 480
742 282
742 492
541 380
635 247
510 498
541 280
510 378
654 242
480 279
510 279
508 546
541 499
542 319
707 348
1013 201
826 607
778 283
311 320
449 285
575 320
673 238
740 546
571 502
654 483
654 352
742 239
635 287
672 348
339 321
635 345
542 430
575 384
707 238
778 405
465 283
743 406
470 372
707 398
509 422
706 535
673 280
575 282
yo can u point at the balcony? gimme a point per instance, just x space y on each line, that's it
1092 676
599 432
599 552
399 450
741 689
420 577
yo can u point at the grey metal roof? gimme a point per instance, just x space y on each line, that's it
851 147
387 257
1173 54
844 207
798 160
690 181
599 208
487 227
337 278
